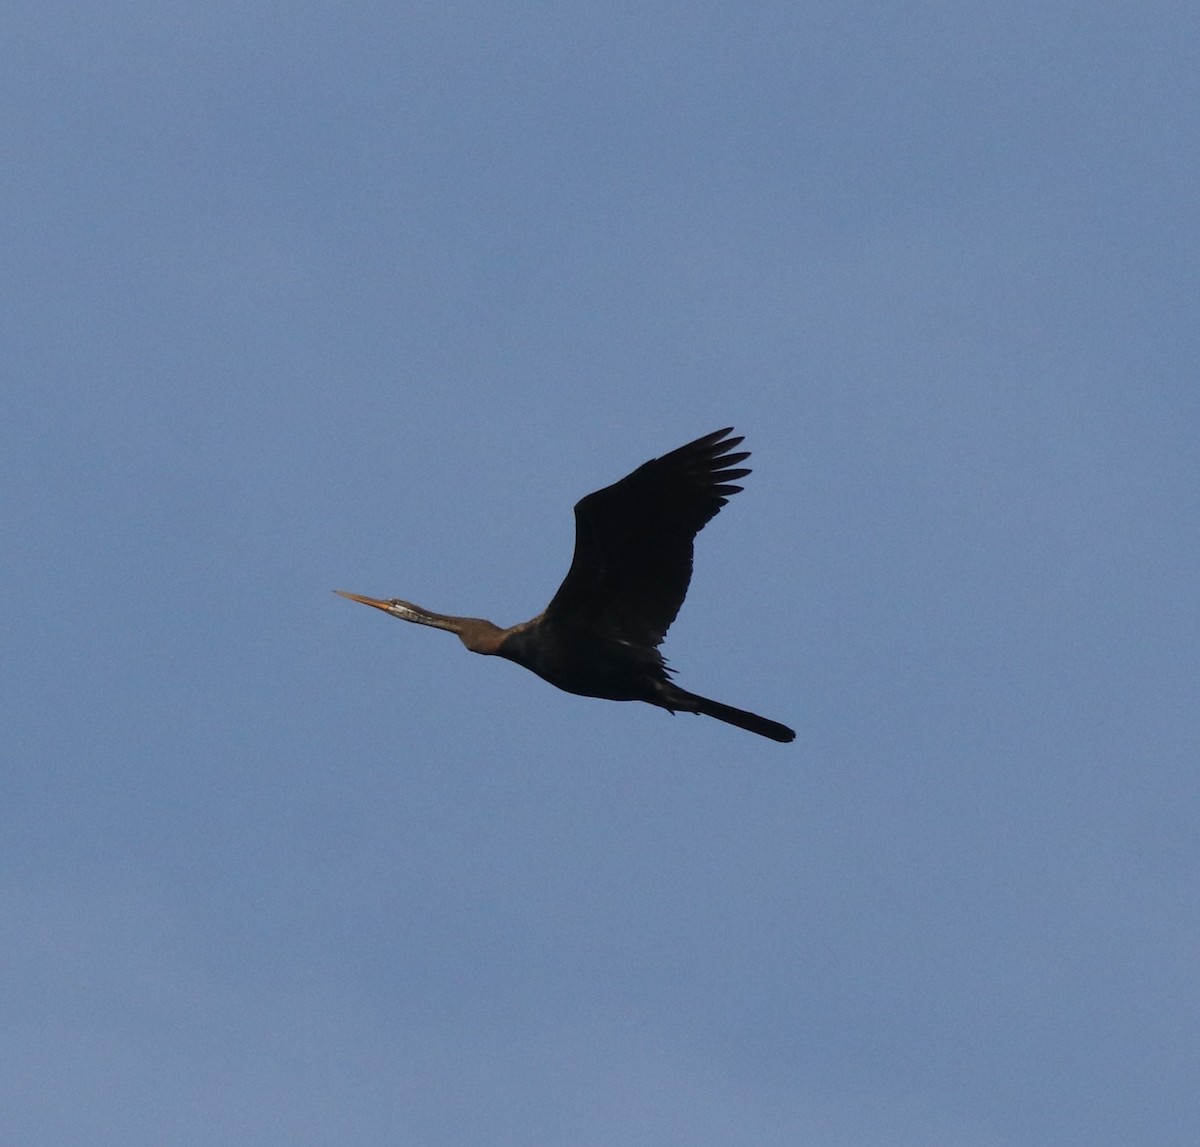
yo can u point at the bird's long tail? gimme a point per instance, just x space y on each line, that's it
751 722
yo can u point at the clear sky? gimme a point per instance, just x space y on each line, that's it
309 296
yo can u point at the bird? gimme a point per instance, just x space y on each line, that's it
630 572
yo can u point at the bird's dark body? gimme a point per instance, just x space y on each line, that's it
599 635
578 661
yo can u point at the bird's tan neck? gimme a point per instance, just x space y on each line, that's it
480 635
477 633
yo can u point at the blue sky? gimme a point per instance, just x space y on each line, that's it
313 296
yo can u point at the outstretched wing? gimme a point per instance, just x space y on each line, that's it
633 540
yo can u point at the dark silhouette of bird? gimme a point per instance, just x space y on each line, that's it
599 636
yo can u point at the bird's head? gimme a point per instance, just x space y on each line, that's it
405 610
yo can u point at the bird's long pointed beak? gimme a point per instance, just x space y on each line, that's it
384 605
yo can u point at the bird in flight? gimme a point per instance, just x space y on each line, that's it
600 634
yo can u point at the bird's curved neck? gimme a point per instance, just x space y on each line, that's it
477 633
